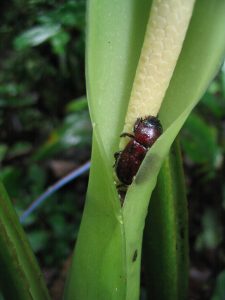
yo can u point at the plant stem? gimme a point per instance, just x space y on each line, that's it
98 266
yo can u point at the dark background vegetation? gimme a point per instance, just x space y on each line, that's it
46 132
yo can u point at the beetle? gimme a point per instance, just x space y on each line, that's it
127 162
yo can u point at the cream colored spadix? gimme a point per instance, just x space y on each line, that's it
165 33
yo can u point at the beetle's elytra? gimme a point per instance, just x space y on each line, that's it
146 131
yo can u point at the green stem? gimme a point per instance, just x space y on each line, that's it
98 266
166 234
20 276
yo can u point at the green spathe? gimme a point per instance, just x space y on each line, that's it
103 265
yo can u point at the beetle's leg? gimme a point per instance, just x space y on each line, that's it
116 155
122 190
124 134
121 186
136 124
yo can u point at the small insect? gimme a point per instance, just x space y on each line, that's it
127 162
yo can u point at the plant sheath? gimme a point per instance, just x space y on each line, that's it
166 235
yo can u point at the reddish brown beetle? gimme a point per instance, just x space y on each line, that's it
146 132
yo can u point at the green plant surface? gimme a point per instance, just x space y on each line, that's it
20 275
107 257
219 291
100 260
101 233
200 58
112 56
167 225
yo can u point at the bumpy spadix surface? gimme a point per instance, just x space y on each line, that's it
165 33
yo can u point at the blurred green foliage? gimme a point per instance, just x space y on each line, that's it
203 134
45 126
203 143
219 292
46 131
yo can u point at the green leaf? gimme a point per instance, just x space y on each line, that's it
166 233
223 79
3 150
200 141
36 36
214 104
10 176
211 235
38 240
75 131
22 278
69 14
219 292
59 42
75 105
